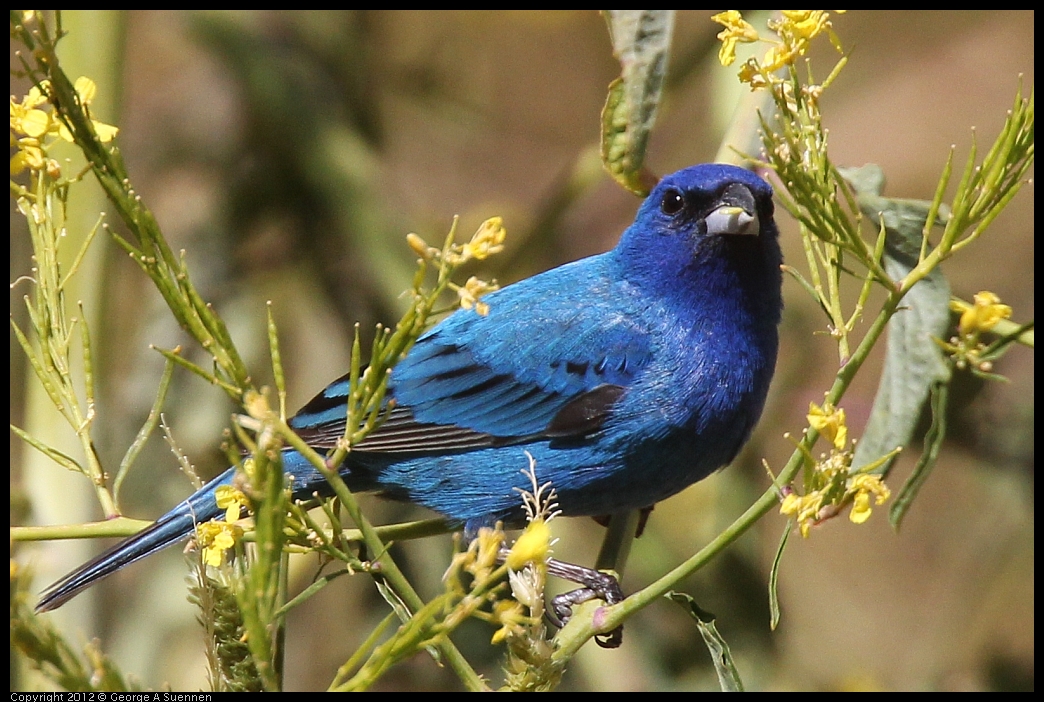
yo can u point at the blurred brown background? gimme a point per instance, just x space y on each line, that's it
290 153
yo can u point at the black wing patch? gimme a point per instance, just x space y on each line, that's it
400 433
585 413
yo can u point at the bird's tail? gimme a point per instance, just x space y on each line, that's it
175 526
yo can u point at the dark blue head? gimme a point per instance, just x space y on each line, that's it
707 230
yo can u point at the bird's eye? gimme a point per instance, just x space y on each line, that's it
672 202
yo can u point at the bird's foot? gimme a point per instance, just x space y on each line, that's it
596 585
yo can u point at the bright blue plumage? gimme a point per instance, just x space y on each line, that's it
628 376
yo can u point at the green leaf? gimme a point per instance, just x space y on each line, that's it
932 445
913 362
774 611
728 676
641 41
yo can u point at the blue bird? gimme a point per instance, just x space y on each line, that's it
628 376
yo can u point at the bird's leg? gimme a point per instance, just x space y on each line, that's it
596 585
643 519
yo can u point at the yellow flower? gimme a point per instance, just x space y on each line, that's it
803 508
480 559
750 72
866 486
488 240
777 57
533 546
512 619
30 122
815 507
736 30
28 156
231 500
86 90
215 538
799 27
30 126
829 483
32 100
830 422
804 24
795 29
471 291
860 508
984 314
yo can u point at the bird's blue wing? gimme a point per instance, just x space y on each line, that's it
476 381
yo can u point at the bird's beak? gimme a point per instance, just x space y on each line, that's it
733 219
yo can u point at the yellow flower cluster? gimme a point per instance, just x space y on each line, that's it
31 127
984 314
527 563
488 240
512 617
965 348
795 29
830 485
215 538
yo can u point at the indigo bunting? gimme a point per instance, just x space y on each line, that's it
627 376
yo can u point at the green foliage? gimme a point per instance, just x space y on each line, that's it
52 655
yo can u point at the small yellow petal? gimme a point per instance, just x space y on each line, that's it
86 89
532 546
34 123
231 500
105 132
750 73
860 508
872 484
213 556
224 540
777 57
34 156
791 504
37 94
18 163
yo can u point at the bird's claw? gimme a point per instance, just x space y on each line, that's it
598 585
561 609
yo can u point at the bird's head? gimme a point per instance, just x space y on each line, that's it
705 224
